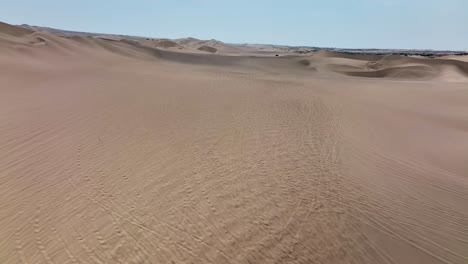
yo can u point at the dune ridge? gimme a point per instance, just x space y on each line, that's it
327 62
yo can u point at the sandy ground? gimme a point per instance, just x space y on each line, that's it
112 152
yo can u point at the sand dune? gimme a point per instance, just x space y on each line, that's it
167 44
113 151
208 49
211 46
390 66
6 29
404 72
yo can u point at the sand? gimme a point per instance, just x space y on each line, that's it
208 49
117 152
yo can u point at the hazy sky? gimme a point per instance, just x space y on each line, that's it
436 24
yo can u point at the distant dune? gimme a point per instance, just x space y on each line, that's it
403 72
167 44
208 49
120 149
7 29
387 66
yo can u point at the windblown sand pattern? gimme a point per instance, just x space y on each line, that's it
117 152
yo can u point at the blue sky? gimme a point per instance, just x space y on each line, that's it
435 24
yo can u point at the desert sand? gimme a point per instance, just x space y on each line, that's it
117 151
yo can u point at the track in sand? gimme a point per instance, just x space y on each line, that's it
114 152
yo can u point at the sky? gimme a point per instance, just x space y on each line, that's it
412 24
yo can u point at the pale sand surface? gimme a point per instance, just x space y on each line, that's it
112 152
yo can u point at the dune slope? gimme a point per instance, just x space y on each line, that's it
115 152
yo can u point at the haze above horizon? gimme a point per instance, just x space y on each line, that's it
398 24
